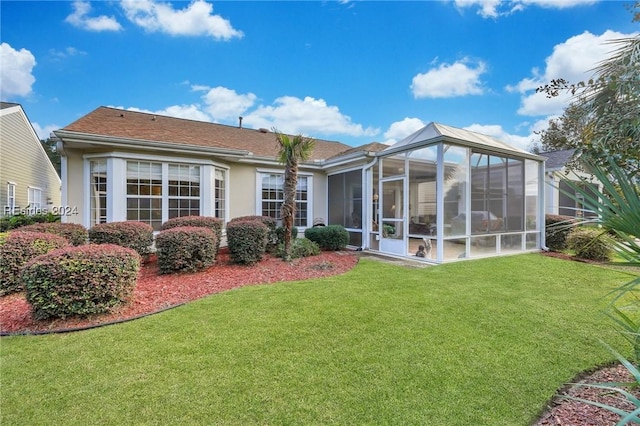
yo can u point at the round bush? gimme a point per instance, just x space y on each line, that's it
186 248
134 235
590 244
557 228
212 223
18 249
300 247
270 222
83 280
332 237
247 241
75 233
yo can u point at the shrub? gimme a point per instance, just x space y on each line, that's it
18 249
270 222
589 243
247 241
133 235
332 237
212 223
186 248
15 221
82 280
300 247
557 228
76 234
280 234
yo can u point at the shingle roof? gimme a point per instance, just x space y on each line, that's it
4 105
556 160
130 125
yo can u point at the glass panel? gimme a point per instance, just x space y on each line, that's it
532 241
220 196
515 196
422 192
392 200
98 201
455 189
510 243
337 199
483 245
455 249
355 239
531 194
424 248
393 166
493 222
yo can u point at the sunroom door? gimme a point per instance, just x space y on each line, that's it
392 231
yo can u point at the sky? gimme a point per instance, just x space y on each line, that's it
349 71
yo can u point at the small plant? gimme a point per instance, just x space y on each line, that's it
557 228
247 241
332 237
186 248
75 233
81 280
16 221
270 222
212 223
18 249
589 243
301 247
135 235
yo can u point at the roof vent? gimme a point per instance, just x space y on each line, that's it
263 130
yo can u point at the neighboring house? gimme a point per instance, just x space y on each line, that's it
28 181
122 165
560 198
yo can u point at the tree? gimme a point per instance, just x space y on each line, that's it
606 109
49 146
292 151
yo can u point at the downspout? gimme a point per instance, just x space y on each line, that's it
366 224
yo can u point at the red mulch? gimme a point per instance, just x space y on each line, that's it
155 292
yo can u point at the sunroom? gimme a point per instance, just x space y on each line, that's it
443 194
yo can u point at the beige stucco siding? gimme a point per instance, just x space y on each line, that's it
75 186
24 162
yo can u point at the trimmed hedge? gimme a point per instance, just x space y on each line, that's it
186 248
270 222
134 235
557 228
16 221
18 249
75 233
332 237
212 223
83 280
247 241
589 243
300 247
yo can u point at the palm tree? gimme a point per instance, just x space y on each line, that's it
292 151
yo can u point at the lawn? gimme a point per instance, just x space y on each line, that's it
484 342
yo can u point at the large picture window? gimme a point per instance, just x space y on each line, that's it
144 192
272 197
184 190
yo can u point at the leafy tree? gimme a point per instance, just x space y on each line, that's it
292 151
49 146
604 119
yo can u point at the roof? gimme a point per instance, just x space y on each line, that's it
436 132
4 105
557 160
131 126
370 147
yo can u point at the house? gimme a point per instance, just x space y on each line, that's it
29 182
560 198
459 192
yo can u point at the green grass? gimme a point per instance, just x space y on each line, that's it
483 342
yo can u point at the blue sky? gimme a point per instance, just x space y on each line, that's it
351 71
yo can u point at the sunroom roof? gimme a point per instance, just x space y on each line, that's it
436 132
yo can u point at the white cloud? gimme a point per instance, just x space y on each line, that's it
401 129
308 116
496 8
44 132
80 19
225 104
574 60
496 131
448 80
65 53
16 71
195 19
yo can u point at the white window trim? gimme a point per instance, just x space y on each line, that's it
11 197
258 195
31 190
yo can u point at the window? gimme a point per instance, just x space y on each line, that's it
219 196
144 192
98 200
184 190
11 198
34 199
272 197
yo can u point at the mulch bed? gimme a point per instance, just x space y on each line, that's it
155 292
